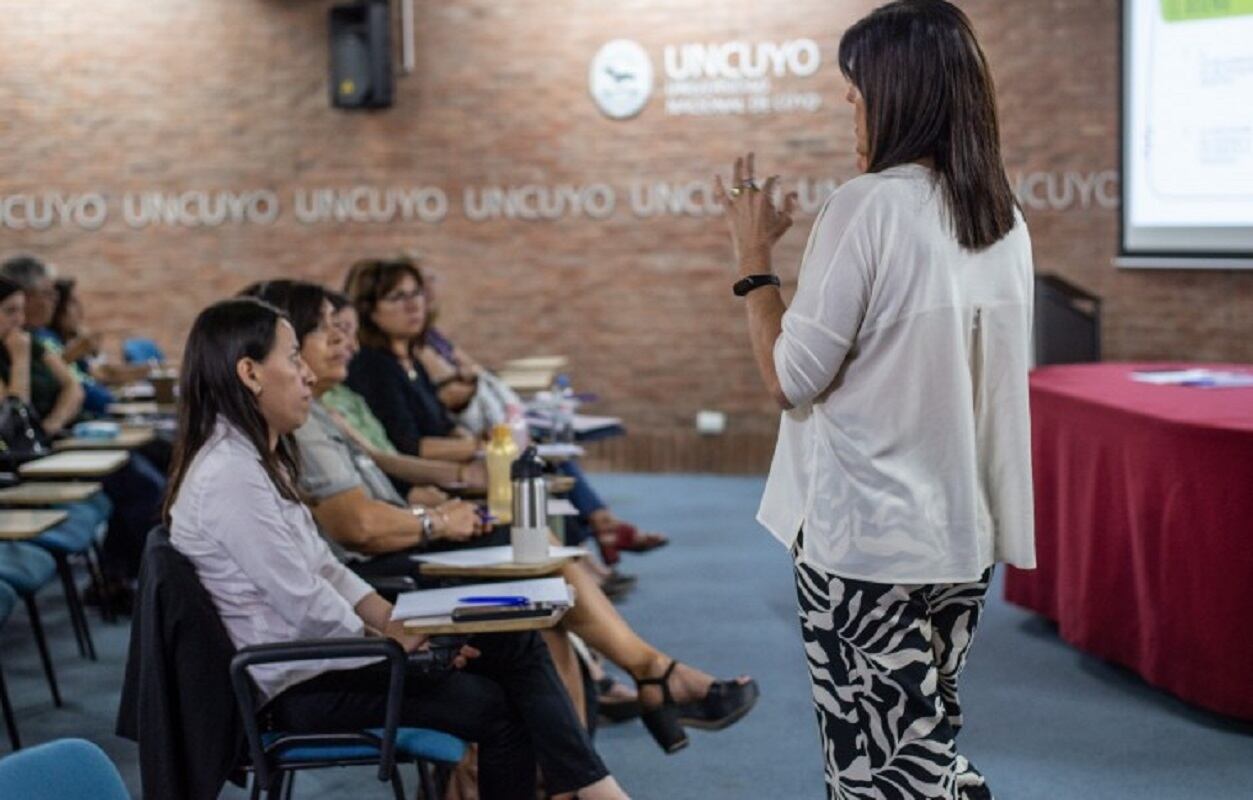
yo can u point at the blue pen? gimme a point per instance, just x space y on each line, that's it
502 600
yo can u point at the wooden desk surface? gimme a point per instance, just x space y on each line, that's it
127 439
48 493
537 363
529 380
143 408
75 464
445 625
557 485
497 571
26 524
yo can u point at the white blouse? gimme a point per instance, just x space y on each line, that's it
907 453
261 559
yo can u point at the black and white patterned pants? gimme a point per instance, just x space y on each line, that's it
884 660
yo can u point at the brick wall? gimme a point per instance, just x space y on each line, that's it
127 96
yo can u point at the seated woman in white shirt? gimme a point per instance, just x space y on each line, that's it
234 511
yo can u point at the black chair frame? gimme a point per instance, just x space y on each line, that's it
10 723
277 778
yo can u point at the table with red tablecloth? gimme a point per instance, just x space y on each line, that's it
1144 526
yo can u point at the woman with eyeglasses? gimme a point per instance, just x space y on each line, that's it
391 307
235 512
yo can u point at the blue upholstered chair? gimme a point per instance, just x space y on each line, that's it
8 599
277 756
142 351
67 769
27 569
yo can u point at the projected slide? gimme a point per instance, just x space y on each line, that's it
1189 127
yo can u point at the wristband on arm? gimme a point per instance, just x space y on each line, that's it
750 282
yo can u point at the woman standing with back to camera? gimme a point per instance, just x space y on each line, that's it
902 470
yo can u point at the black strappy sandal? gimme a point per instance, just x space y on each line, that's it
663 721
725 704
614 710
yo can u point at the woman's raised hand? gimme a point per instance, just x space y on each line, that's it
753 219
17 342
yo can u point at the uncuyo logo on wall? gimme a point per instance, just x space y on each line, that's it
621 79
707 78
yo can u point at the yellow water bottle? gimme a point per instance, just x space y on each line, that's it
501 453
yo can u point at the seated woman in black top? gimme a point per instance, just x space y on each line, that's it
389 300
391 304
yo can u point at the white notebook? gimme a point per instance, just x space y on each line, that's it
439 603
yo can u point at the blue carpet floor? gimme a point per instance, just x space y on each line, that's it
1044 722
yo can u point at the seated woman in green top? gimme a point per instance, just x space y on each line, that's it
31 372
424 474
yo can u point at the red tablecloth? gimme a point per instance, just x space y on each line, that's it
1144 526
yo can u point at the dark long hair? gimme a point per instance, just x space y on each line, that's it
8 288
210 389
929 94
65 293
300 301
339 301
367 283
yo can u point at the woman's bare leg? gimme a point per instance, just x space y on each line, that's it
595 620
604 789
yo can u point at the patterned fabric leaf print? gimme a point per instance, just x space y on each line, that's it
884 661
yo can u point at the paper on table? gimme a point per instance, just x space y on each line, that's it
561 507
489 556
558 450
582 423
433 603
1206 378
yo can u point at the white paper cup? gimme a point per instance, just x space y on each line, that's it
530 545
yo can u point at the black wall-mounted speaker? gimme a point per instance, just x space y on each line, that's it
361 55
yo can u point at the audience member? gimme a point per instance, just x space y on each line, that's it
234 511
64 334
390 301
30 371
135 490
407 472
80 348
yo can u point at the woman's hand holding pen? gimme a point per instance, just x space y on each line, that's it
457 521
752 218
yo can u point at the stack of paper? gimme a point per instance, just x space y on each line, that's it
558 450
1207 378
490 556
582 423
435 605
561 507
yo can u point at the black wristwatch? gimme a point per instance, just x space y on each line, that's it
750 282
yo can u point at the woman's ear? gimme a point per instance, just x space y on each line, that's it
247 371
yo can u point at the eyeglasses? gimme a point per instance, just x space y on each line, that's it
397 298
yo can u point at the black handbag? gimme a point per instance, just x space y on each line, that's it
22 437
